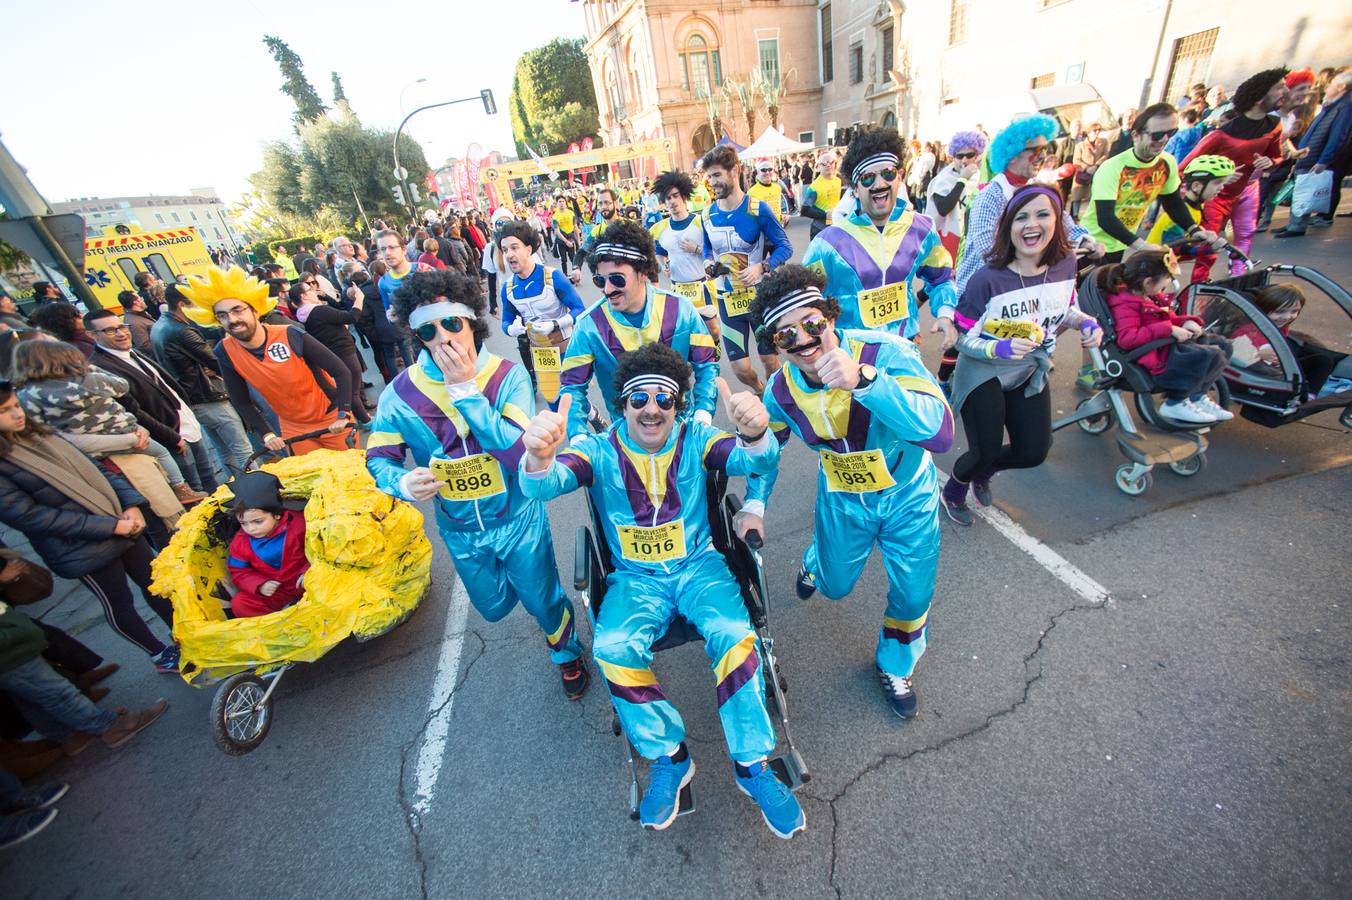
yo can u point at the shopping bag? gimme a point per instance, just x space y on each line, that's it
1313 192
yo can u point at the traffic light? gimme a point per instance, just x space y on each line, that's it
413 190
399 195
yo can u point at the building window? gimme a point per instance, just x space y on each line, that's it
1190 62
856 63
828 61
769 59
1043 81
888 58
701 70
176 218
159 217
807 137
957 21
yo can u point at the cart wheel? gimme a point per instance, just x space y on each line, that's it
240 719
1190 466
1094 424
1133 487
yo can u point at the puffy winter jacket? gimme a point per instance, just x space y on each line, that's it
1140 320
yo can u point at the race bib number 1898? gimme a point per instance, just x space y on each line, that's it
469 478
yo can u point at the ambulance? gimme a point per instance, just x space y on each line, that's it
113 260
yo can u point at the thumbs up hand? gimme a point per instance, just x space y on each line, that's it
544 434
746 410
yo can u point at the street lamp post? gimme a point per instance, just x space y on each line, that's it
404 90
490 107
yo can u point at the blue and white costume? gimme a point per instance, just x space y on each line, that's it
655 519
876 483
530 299
745 236
499 538
602 335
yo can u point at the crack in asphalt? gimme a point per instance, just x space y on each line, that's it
886 758
411 820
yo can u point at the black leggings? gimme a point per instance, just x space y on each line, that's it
109 584
987 413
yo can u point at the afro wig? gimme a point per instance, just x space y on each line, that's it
785 280
879 140
674 179
655 359
630 234
425 288
1010 142
521 230
1254 88
967 140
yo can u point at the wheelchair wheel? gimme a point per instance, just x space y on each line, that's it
1190 466
1094 424
1132 487
240 718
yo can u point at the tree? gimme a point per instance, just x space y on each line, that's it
552 99
294 83
339 96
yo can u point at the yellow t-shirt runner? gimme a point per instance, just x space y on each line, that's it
1132 186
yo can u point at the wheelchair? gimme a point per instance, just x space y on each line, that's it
1180 446
592 563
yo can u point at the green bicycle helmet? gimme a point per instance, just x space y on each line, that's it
1211 164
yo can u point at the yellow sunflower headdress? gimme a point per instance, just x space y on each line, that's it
233 284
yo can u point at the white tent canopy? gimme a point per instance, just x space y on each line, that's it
772 142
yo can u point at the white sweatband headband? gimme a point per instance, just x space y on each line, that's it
624 251
650 380
438 311
875 159
808 296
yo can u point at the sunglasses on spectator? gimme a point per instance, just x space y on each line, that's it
639 399
617 279
966 154
1037 153
1162 135
786 338
428 330
868 178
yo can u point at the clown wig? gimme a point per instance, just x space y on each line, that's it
1010 142
967 140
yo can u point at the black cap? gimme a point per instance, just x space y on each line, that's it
256 490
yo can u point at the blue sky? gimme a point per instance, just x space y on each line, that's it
160 97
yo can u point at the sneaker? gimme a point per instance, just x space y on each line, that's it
1186 412
37 798
17 829
779 807
166 661
1087 379
662 800
981 490
1288 232
1320 221
954 499
1220 412
130 724
900 693
575 679
805 585
186 495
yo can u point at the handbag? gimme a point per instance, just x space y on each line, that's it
33 583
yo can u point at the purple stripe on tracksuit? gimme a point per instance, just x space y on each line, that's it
717 457
905 637
942 441
856 432
428 412
854 255
670 314
639 501
580 468
389 451
606 333
738 677
645 693
908 251
779 389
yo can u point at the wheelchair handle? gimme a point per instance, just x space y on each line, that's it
754 540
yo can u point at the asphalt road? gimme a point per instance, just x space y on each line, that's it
1187 737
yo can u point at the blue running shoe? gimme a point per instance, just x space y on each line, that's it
778 806
900 694
806 585
166 661
662 800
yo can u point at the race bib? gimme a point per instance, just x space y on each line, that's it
547 359
692 291
883 305
856 473
659 544
738 303
470 477
1002 329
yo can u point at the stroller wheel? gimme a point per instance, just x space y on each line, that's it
240 717
1346 418
1190 466
1094 424
1132 486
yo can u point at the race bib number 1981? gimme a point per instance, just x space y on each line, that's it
856 473
659 544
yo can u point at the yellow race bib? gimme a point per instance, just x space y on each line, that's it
659 544
470 477
692 291
547 359
856 473
883 305
738 303
1000 329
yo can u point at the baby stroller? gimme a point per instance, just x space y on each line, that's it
370 565
1180 446
592 563
1274 388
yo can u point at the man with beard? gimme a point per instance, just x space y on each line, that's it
871 259
307 386
608 207
679 240
633 313
743 242
865 403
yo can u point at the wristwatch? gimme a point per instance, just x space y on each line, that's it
867 375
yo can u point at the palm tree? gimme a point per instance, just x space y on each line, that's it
711 110
744 92
771 92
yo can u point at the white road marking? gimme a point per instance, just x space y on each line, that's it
427 769
1062 569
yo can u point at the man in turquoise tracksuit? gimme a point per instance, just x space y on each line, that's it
460 411
864 401
646 476
871 260
632 314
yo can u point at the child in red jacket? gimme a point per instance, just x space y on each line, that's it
267 558
1142 313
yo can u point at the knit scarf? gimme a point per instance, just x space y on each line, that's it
68 470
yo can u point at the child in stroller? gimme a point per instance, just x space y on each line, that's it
1326 370
1142 313
267 557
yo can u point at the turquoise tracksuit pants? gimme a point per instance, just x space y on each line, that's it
636 612
904 523
515 563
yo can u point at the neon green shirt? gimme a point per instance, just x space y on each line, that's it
1132 186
